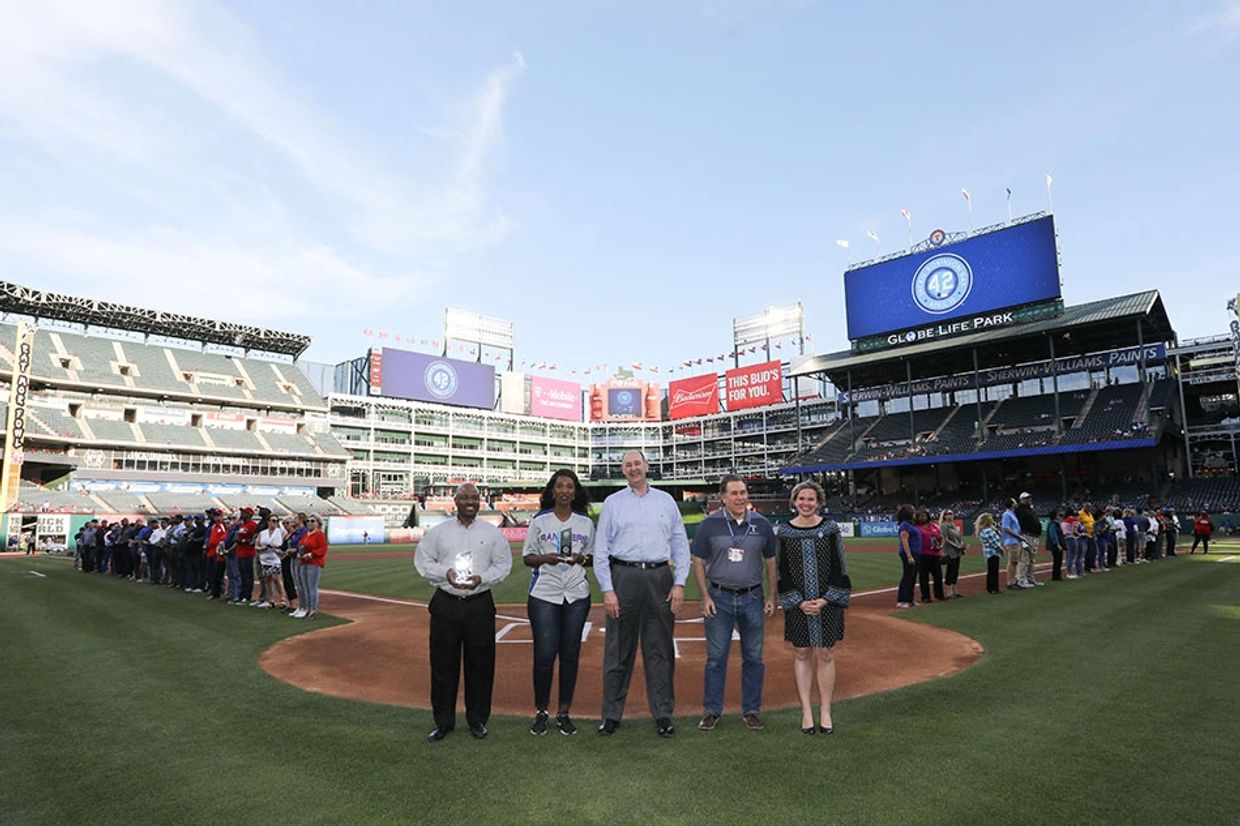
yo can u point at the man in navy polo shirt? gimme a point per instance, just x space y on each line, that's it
730 550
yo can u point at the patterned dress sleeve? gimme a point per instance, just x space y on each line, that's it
789 592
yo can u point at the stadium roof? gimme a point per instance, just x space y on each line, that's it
1085 328
19 300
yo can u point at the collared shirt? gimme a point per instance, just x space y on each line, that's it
734 550
491 558
1011 525
640 528
562 582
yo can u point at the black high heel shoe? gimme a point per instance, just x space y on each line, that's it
826 729
809 730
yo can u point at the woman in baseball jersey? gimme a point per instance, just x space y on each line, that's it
558 547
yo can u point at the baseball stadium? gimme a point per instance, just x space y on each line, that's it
965 382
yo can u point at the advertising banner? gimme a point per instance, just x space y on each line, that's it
224 421
355 530
164 415
868 529
1124 357
966 280
847 529
696 396
555 399
277 424
754 386
625 399
516 534
417 376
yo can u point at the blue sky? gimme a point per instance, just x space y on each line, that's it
619 179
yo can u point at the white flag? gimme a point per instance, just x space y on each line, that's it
871 234
1049 181
965 193
841 243
906 214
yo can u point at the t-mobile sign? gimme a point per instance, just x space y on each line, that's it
754 386
555 399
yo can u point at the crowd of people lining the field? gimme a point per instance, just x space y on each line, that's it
1082 539
221 555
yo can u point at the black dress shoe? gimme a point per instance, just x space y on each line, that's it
810 730
437 735
478 731
608 727
826 729
666 729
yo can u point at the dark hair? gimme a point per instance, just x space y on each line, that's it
728 478
905 513
581 499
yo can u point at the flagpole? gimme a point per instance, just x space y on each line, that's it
908 219
1050 201
1009 202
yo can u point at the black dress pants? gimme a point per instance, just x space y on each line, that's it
927 567
646 618
462 627
286 574
1056 563
992 575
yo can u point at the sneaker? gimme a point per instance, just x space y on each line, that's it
243 602
298 614
539 726
1073 576
263 604
1016 586
753 722
566 724
708 722
1033 583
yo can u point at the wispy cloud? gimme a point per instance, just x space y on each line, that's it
58 96
1225 21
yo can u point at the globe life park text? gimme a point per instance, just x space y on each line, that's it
954 328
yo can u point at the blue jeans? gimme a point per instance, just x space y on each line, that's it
557 633
234 577
744 613
1076 555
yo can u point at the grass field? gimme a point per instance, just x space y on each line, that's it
871 563
1112 699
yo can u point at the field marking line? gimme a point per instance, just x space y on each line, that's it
42 576
1229 558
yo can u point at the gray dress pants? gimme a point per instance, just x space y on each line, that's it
644 613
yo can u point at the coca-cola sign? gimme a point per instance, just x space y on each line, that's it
696 396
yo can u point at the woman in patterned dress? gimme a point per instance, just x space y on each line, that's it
811 557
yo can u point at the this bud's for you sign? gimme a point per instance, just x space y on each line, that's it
754 386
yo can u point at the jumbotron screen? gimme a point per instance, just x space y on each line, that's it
1009 267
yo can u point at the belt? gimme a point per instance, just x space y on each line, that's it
444 593
737 591
645 566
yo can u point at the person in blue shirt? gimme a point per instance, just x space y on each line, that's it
640 531
910 553
1013 545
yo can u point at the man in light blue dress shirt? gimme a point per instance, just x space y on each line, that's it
639 532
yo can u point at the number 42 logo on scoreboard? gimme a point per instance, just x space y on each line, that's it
942 283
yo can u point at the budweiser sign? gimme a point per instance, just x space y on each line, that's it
697 396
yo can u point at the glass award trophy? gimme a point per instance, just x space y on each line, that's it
464 566
566 543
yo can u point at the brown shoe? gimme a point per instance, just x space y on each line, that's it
753 722
708 722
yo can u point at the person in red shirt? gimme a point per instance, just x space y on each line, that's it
1202 529
247 531
312 555
216 561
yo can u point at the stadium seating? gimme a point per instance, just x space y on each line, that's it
54 422
1110 417
124 502
170 434
182 502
